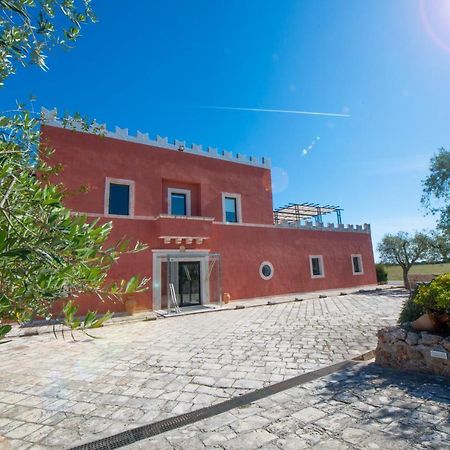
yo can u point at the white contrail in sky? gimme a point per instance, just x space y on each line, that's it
284 111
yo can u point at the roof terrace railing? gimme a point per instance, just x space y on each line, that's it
297 212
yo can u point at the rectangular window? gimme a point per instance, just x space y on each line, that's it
357 265
230 209
178 204
316 263
119 199
231 206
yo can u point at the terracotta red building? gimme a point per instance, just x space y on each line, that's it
207 218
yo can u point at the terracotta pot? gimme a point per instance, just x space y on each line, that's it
426 322
130 306
444 319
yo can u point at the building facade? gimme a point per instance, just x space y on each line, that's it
207 218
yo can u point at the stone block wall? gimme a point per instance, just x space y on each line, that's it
413 351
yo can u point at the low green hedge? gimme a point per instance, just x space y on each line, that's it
433 297
382 274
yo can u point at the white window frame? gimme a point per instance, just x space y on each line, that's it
266 263
185 192
130 183
322 269
237 197
360 264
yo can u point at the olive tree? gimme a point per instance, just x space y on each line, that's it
30 28
436 189
404 249
47 253
440 246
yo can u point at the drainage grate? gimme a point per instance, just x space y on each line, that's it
146 431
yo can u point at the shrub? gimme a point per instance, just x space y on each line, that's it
435 296
382 274
410 309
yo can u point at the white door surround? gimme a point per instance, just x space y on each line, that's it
160 256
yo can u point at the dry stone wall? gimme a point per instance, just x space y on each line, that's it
413 351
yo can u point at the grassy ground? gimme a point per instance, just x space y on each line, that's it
395 272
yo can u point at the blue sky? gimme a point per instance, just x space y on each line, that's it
386 63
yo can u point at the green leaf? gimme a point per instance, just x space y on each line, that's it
4 329
100 321
16 252
89 319
5 304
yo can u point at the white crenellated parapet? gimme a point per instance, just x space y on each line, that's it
98 127
122 133
309 225
76 124
143 138
241 157
196 148
266 162
163 141
50 117
180 144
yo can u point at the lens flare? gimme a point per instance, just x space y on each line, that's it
280 180
307 149
442 10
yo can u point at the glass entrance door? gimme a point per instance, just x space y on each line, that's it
189 283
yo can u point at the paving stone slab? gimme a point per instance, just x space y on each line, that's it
306 427
135 373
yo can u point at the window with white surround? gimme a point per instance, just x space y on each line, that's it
316 264
266 270
357 265
179 202
231 207
119 197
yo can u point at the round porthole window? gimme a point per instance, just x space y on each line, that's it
266 270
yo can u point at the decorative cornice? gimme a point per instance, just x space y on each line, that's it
183 239
171 216
286 226
50 117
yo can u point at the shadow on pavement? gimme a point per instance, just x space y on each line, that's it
392 292
407 406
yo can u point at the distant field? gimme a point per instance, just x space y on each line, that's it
395 272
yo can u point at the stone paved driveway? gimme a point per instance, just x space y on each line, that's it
363 408
57 393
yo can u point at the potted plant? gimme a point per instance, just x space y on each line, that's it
130 304
434 300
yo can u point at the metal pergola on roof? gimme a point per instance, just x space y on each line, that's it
295 212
